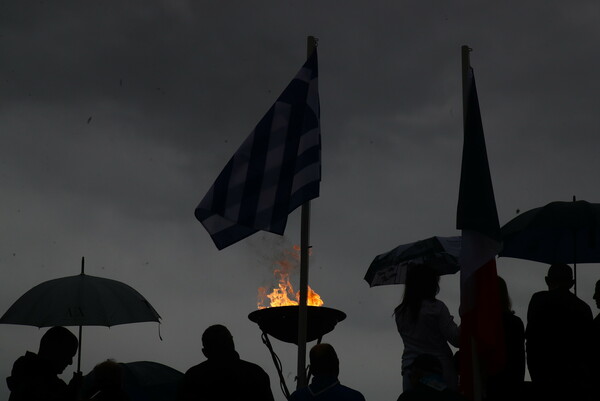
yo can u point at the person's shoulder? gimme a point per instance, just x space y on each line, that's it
579 301
351 394
197 369
583 306
22 368
26 362
574 301
511 317
300 395
435 306
251 367
434 303
538 298
540 295
425 393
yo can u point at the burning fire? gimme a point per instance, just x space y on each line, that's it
283 294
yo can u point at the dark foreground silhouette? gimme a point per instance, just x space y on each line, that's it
508 382
595 354
325 386
558 339
224 376
427 382
35 376
134 381
107 383
562 338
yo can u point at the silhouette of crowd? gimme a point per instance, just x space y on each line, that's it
559 345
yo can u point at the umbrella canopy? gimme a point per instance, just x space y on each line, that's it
560 232
144 381
441 253
80 300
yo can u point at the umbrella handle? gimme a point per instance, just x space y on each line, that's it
79 352
575 255
79 348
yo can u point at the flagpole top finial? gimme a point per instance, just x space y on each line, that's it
311 44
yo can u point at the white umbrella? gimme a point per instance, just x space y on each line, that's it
440 253
80 300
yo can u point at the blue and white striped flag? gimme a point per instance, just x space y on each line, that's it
275 170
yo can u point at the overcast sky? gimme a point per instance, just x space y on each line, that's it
116 117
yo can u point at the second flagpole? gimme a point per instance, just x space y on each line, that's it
477 379
311 44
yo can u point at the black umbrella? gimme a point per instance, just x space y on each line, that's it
80 300
560 232
143 381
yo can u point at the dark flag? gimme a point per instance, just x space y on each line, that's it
482 340
275 170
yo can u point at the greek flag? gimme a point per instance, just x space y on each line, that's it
275 170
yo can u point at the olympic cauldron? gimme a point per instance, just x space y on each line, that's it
280 318
281 322
277 313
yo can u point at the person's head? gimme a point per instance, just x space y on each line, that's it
217 340
324 361
422 282
108 375
58 346
597 294
505 303
560 276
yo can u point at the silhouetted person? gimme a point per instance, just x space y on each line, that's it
596 323
558 329
325 386
108 382
224 376
427 382
35 376
508 383
595 355
425 325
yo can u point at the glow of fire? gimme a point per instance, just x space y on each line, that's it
283 294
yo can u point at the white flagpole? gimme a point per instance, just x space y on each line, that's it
304 246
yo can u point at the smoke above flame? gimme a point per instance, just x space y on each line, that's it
282 293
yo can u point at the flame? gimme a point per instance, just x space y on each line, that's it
283 294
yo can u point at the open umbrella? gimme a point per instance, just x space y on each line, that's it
80 300
441 253
560 232
144 381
